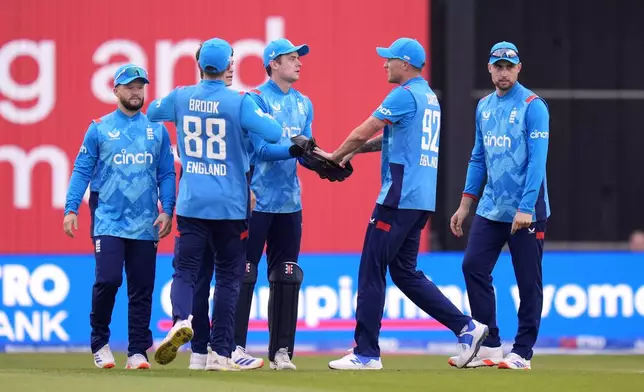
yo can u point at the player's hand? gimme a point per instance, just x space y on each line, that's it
346 159
253 200
521 221
165 223
70 221
322 153
456 223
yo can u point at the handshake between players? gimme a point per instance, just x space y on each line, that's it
235 147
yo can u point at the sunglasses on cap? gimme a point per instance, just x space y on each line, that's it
505 53
132 72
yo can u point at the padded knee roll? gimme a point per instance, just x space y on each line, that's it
285 281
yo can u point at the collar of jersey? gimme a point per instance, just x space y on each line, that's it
212 82
412 80
277 88
124 116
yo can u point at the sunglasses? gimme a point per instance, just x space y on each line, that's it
131 72
505 53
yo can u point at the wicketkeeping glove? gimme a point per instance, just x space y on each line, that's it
303 148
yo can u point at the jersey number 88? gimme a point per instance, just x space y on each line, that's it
194 143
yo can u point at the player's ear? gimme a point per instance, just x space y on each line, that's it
519 67
489 67
115 91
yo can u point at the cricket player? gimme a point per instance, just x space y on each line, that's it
410 116
277 218
213 123
510 149
129 161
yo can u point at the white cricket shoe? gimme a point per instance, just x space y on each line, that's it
198 361
103 358
282 361
137 361
356 362
180 334
516 362
219 363
486 357
245 360
469 342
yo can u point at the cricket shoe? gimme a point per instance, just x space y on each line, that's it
469 342
353 361
180 334
103 358
486 357
198 361
282 361
137 361
245 360
216 362
515 362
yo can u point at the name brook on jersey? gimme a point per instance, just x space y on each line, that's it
213 169
198 105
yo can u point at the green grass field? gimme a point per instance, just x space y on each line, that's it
76 372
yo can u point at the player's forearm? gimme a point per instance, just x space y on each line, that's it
168 191
274 152
476 173
77 186
373 145
357 138
535 175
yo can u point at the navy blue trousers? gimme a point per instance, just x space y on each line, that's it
392 241
139 259
200 315
487 239
228 241
280 233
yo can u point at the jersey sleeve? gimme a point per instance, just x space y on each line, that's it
308 130
255 121
166 176
162 109
476 169
84 166
398 107
538 130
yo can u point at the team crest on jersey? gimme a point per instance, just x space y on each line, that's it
150 132
114 134
300 106
513 115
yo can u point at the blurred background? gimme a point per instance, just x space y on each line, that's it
57 60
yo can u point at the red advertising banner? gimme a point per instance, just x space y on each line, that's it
57 60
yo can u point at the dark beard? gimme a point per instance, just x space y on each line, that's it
510 85
133 108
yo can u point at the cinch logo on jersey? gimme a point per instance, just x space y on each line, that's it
28 301
125 158
497 141
384 110
538 135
